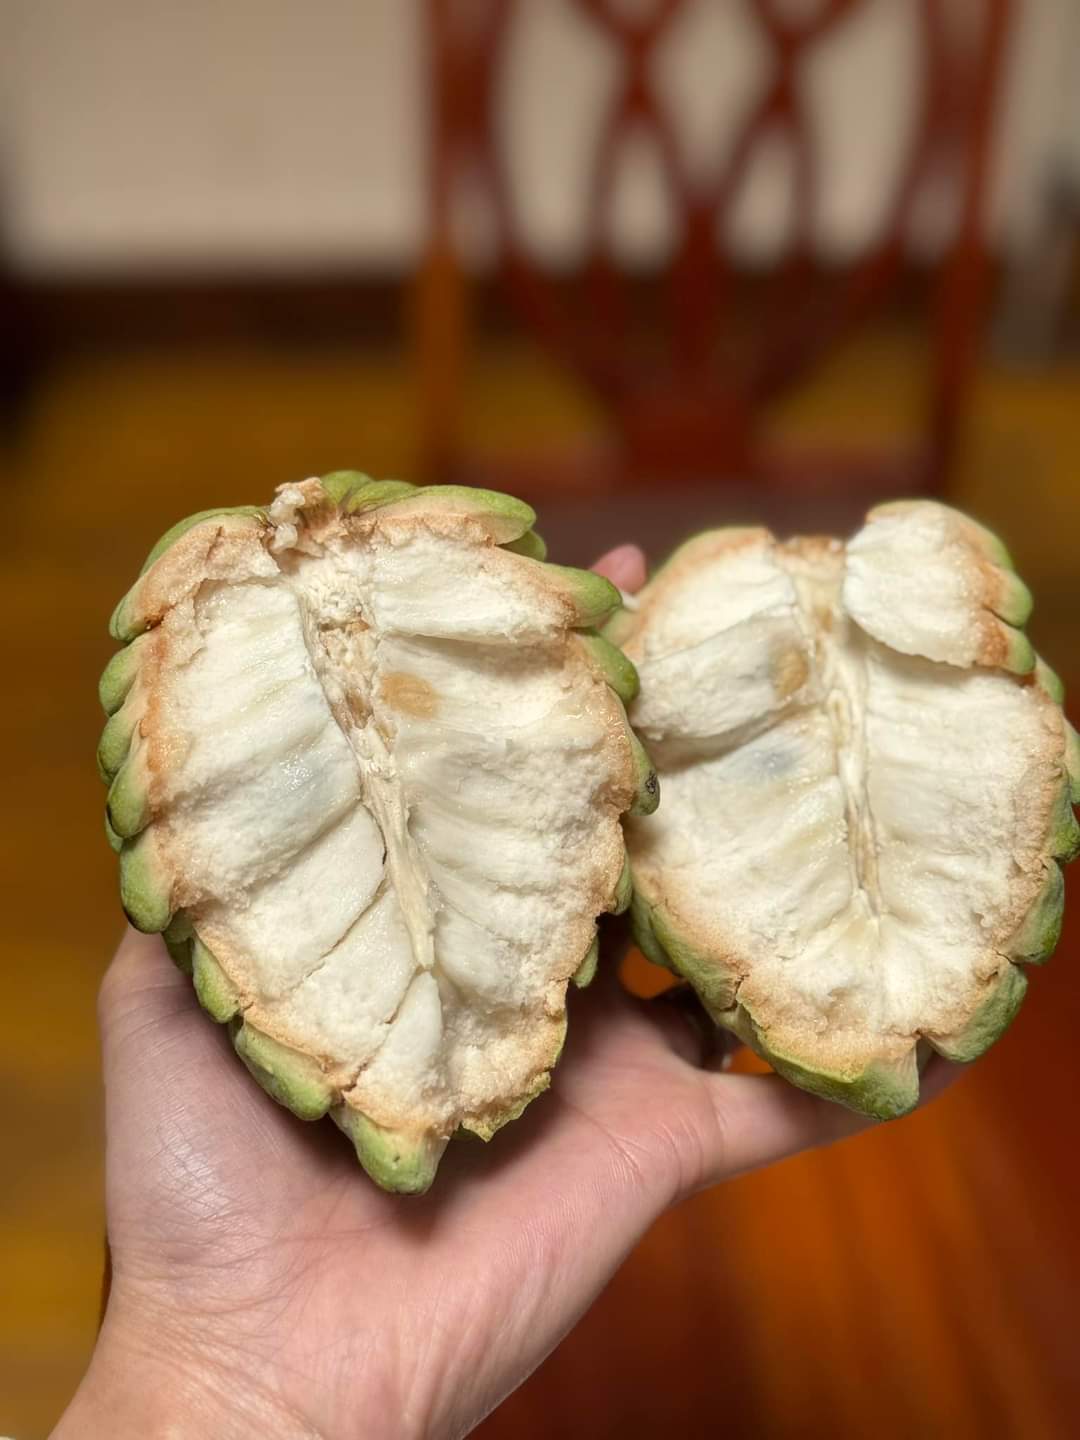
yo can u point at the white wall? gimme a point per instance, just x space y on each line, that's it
276 133
245 132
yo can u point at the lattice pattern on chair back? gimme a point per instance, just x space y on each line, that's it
688 409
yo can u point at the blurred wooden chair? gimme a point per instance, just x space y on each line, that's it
689 406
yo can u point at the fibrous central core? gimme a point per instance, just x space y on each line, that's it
837 666
345 660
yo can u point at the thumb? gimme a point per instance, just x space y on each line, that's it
145 1013
177 1103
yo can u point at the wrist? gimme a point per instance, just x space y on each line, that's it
146 1383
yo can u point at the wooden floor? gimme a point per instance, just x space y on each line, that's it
920 1281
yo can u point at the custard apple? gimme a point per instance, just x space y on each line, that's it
868 790
367 763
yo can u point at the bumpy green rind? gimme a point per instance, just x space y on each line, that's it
509 519
1072 762
116 842
531 545
990 1021
144 885
1020 656
293 1080
115 742
716 986
624 889
1049 681
119 676
217 994
1016 603
121 626
128 805
375 494
338 485
179 936
189 522
592 596
1038 935
403 1164
641 927
586 971
647 785
884 1090
506 517
621 626
617 670
1064 841
657 936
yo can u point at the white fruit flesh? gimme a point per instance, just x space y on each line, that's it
853 835
386 782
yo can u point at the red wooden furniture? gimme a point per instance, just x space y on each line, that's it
685 406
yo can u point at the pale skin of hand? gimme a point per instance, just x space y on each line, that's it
262 1286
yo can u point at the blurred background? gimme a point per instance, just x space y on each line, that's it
651 264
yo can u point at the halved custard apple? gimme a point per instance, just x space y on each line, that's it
367 762
868 789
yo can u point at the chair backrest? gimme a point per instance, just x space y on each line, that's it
692 407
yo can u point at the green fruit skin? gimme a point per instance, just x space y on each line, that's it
647 783
592 596
716 985
884 1090
403 1164
1016 604
115 742
616 669
1064 841
179 937
586 971
531 545
624 889
507 517
293 1080
144 886
116 842
120 675
641 927
375 494
1038 935
217 994
1072 762
181 528
1049 681
128 804
990 1021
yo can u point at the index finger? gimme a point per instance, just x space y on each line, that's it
624 566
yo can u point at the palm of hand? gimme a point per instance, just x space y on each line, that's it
254 1243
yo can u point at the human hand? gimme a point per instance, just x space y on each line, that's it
262 1286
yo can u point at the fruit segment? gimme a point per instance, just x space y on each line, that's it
866 782
371 779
